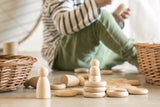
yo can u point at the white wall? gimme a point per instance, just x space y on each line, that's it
33 43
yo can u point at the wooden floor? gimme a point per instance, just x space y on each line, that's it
23 97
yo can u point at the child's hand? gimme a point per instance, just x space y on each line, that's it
101 3
123 16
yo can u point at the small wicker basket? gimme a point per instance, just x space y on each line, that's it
149 61
14 71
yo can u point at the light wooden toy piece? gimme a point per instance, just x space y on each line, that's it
81 70
70 80
78 90
95 62
95 84
106 72
81 80
32 82
43 86
94 71
94 95
95 78
57 86
120 9
66 93
138 91
117 93
94 89
10 48
85 76
134 82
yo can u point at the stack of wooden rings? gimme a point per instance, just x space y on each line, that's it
94 87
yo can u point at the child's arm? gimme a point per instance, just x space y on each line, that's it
69 20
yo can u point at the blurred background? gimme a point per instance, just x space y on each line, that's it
18 17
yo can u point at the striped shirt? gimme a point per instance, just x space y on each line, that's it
62 17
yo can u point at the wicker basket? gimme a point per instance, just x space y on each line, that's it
14 71
149 61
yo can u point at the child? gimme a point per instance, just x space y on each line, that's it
77 31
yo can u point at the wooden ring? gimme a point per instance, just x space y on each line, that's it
106 72
94 95
138 91
95 84
95 89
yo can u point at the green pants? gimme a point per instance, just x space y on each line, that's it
102 40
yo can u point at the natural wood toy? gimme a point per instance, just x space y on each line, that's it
94 89
57 86
81 70
134 82
117 92
32 82
66 93
95 84
85 76
43 86
95 78
138 91
10 48
94 71
78 90
95 62
81 80
106 72
70 80
94 95
120 9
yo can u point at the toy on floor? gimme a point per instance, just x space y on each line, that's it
70 80
94 88
81 70
57 86
43 87
32 82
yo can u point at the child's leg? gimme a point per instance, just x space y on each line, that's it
95 42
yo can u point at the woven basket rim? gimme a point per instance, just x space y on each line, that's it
11 60
148 45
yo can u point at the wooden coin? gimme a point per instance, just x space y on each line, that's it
81 70
138 91
95 84
85 76
117 92
66 93
106 72
95 89
79 91
94 95
57 86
